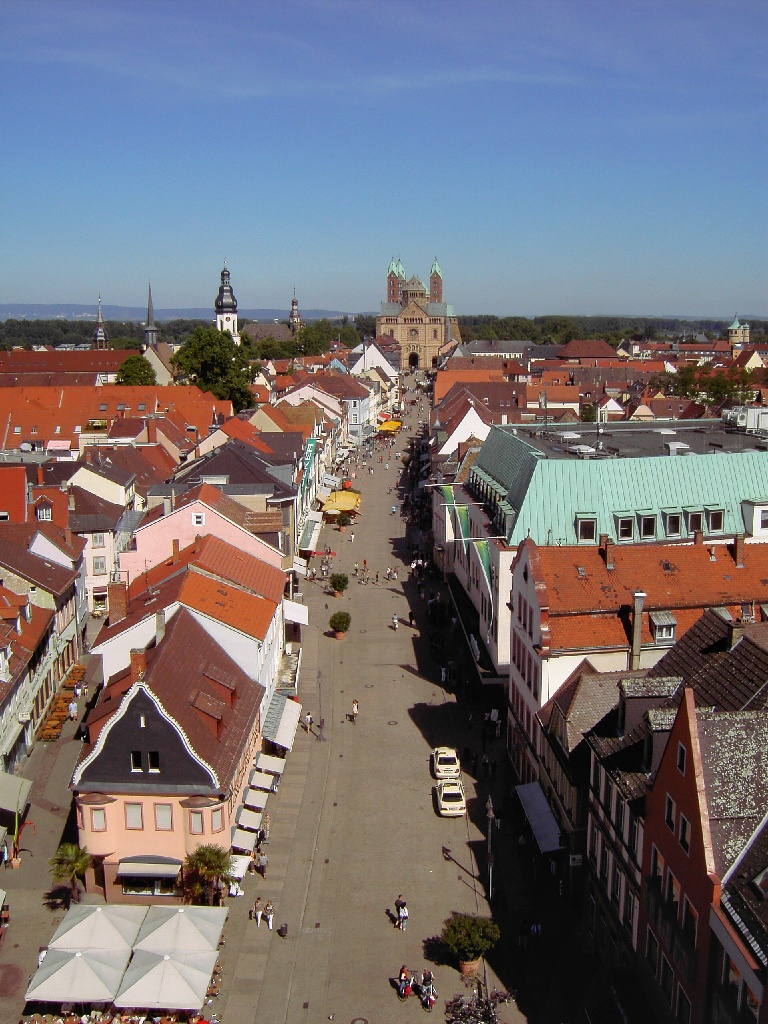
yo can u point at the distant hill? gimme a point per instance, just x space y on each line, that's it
137 314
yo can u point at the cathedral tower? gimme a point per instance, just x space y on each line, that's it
226 307
435 282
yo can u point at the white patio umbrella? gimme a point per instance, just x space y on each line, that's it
107 927
170 981
79 976
189 929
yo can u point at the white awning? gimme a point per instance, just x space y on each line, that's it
299 565
281 721
261 780
270 763
149 867
256 799
239 866
250 820
545 829
14 792
323 493
295 612
242 840
310 533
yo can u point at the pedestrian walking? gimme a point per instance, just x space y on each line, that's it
308 721
410 618
399 902
354 573
402 916
72 708
355 711
269 913
377 577
85 691
77 690
257 911
261 864
352 537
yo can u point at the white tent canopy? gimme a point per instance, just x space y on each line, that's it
79 976
168 981
108 927
254 798
261 780
190 929
271 764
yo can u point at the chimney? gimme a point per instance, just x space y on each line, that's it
609 564
175 550
71 501
138 665
698 537
735 632
637 629
738 554
117 596
159 627
166 506
40 475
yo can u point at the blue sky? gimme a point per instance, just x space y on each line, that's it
574 157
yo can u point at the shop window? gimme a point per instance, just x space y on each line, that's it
148 886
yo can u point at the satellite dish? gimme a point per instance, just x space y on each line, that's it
25 446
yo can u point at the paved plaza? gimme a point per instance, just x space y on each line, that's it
353 823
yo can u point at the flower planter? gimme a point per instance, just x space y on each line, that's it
339 635
15 862
468 968
342 529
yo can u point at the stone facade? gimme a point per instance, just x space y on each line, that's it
417 319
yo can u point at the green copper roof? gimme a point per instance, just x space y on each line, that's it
549 494
735 325
392 269
436 269
400 270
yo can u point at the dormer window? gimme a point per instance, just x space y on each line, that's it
43 512
647 525
663 625
625 529
586 528
715 520
695 521
672 524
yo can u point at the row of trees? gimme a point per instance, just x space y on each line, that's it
710 385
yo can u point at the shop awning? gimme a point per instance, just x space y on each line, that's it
323 493
254 798
544 826
281 721
242 840
299 565
14 793
270 763
311 532
261 780
294 612
250 820
149 867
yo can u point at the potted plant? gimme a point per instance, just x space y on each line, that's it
68 864
468 938
338 582
339 623
343 521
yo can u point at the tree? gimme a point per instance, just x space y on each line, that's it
211 359
211 864
468 937
69 863
339 582
136 370
340 622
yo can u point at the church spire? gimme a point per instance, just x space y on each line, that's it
226 307
150 330
294 320
100 337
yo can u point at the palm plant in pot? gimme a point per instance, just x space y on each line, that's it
339 623
343 521
468 938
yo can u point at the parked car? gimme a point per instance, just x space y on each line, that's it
445 763
451 802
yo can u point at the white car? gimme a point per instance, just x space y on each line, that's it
451 802
445 763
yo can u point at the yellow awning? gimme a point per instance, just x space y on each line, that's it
342 501
390 427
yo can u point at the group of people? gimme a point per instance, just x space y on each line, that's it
267 911
407 983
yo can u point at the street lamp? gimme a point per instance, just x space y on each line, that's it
491 818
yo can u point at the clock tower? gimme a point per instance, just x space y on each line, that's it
226 307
